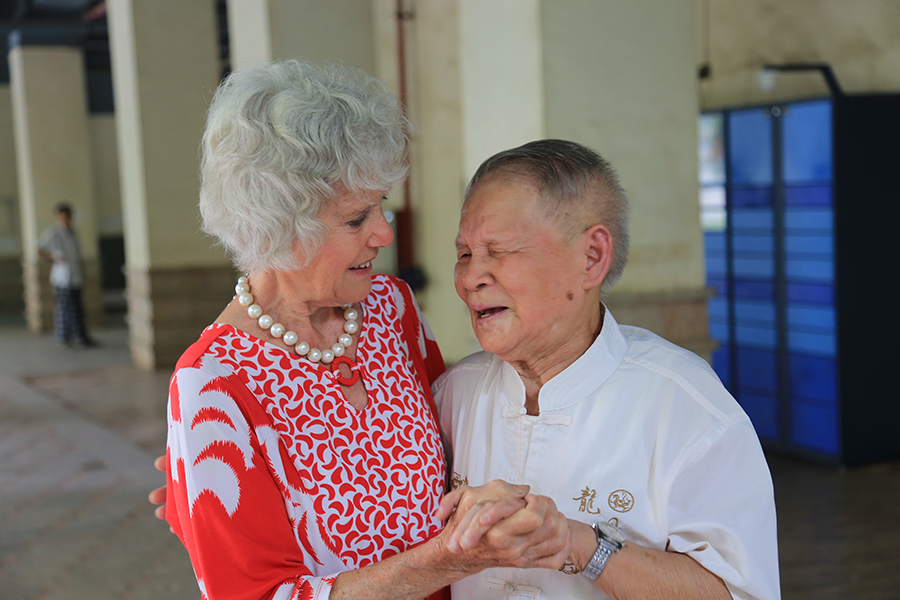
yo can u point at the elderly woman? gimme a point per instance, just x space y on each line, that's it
304 457
636 440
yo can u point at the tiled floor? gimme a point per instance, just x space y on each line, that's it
78 430
838 530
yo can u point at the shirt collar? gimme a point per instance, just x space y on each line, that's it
586 374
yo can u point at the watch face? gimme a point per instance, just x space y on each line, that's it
611 532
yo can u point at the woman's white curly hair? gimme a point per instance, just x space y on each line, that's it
278 137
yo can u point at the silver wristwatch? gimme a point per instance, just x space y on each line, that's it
609 541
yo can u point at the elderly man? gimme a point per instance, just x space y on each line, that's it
656 466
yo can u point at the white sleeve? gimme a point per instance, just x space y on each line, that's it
722 513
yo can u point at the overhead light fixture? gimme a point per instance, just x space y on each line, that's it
824 68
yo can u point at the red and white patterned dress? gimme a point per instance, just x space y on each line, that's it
276 484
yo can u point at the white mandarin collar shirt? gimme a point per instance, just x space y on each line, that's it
637 432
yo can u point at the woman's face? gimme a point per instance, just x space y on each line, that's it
520 278
342 270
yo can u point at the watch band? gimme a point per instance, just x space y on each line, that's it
605 549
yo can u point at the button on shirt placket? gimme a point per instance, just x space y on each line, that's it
533 452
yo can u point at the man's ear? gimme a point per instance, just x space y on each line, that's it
598 252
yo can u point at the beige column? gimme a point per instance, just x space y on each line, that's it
53 165
358 32
270 29
476 88
621 78
165 68
11 290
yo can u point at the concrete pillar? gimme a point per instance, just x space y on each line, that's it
11 290
165 68
270 29
475 88
621 78
53 164
358 32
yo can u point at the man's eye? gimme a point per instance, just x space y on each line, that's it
357 223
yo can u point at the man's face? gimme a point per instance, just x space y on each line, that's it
64 217
517 274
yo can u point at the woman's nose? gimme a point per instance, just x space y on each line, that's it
382 234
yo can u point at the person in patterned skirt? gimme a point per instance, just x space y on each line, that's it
304 457
59 245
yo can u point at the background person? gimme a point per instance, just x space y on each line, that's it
623 430
304 457
59 245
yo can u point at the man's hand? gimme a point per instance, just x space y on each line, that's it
500 524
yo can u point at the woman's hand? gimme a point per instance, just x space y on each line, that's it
500 524
158 496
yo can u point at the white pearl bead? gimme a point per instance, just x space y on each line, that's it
291 338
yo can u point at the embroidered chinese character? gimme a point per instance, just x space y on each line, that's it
587 501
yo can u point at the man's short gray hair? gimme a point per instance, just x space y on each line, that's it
577 186
278 137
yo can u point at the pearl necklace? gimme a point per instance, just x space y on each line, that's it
291 339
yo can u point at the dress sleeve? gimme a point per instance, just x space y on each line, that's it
223 500
722 513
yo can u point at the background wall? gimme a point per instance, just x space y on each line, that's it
859 39
106 174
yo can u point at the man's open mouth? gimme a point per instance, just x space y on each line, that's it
365 266
489 311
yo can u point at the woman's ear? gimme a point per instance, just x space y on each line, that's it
598 252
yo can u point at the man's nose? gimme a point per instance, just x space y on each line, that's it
474 274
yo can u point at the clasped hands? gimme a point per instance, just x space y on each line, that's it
495 525
503 525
